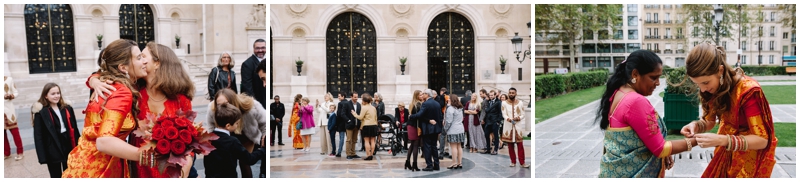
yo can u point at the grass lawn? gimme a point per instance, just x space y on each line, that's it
776 81
780 94
784 131
551 107
526 138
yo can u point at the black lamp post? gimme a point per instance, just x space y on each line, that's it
717 19
517 41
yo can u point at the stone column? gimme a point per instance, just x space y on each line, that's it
503 82
403 90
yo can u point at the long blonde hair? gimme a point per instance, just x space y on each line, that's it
414 101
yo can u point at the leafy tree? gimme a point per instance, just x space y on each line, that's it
788 16
565 24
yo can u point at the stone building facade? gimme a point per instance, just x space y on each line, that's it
73 28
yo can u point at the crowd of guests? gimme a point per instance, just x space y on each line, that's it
478 124
130 85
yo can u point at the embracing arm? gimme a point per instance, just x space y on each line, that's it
117 108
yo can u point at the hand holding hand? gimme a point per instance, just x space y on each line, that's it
670 162
688 130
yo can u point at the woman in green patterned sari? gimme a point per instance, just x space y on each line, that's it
634 144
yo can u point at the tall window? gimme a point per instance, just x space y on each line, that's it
136 23
666 18
655 17
725 45
618 35
633 7
668 33
760 45
351 54
648 17
771 59
744 45
50 37
771 45
772 31
744 59
785 35
633 47
772 16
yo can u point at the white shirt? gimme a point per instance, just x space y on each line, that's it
222 130
60 119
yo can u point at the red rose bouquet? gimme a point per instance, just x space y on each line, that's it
172 138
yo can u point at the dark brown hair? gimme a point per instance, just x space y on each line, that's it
454 101
704 60
366 98
226 114
171 78
118 53
43 100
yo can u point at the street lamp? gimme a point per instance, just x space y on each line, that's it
517 41
717 18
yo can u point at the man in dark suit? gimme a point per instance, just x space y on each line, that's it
276 109
342 110
493 119
352 125
430 111
251 83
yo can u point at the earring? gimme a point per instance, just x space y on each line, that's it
126 75
720 81
633 80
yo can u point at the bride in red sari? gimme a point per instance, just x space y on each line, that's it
297 142
161 96
745 142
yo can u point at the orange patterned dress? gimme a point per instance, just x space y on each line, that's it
114 119
749 115
297 142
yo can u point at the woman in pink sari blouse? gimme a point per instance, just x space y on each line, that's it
634 144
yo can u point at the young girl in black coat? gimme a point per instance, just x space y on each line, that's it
55 129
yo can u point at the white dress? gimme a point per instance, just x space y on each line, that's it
8 105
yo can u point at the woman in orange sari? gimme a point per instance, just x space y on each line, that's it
159 96
297 142
745 142
109 121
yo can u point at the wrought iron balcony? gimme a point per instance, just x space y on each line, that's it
667 51
679 51
667 21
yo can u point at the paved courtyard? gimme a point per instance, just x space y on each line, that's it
286 162
570 145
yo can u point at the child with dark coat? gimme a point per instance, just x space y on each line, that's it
222 162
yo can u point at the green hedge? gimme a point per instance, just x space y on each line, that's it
764 70
584 80
549 85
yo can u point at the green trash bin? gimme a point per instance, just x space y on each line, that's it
680 110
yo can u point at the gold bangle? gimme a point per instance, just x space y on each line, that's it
728 148
688 144
744 142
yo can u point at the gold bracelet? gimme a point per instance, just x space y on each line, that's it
688 144
728 148
744 141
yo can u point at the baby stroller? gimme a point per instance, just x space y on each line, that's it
390 138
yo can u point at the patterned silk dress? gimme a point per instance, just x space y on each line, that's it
114 119
749 114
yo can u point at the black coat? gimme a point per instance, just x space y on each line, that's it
222 162
277 110
218 80
397 115
251 84
493 113
343 114
430 110
442 101
47 134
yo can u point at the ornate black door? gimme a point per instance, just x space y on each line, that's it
351 55
136 23
451 56
50 38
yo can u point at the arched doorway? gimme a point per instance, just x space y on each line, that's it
50 38
451 55
136 23
351 54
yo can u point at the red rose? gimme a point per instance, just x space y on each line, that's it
185 136
163 147
178 147
167 123
192 130
171 133
183 122
158 133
